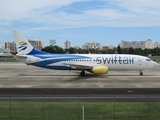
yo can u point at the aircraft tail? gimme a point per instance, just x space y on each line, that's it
23 46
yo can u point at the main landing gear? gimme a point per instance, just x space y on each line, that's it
141 73
82 73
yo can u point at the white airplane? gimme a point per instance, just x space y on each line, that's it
5 54
94 63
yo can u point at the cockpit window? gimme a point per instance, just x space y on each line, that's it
148 59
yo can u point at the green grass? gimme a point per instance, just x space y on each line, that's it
73 110
8 60
156 58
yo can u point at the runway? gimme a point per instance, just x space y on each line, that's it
28 83
19 75
80 95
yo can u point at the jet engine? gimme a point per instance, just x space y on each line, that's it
100 70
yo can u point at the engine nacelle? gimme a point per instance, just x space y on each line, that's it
100 70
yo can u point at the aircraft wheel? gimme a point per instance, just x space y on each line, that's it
82 73
141 73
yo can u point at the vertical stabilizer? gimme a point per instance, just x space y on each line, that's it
23 46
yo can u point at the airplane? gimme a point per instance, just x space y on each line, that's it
5 54
93 63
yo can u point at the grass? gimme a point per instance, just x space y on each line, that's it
8 60
73 110
156 58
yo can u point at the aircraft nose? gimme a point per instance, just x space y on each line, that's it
155 64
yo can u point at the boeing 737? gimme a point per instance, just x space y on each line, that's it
93 63
5 54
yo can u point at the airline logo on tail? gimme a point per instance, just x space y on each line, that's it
22 46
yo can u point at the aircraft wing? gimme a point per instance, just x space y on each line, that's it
79 66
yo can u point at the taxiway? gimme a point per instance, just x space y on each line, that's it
19 75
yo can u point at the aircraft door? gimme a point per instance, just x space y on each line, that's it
146 64
139 61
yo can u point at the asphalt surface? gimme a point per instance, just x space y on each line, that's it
78 91
19 75
21 82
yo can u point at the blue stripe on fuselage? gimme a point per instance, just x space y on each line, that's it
48 59
53 67
35 51
60 56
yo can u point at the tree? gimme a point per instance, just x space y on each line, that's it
119 50
53 49
131 50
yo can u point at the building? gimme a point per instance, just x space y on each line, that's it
10 46
156 45
93 45
141 44
52 42
86 47
107 47
125 44
2 49
36 44
133 44
66 44
148 44
111 47
77 47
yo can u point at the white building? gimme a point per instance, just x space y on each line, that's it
77 47
149 44
52 42
156 44
66 44
125 44
134 44
111 47
92 45
2 49
142 44
7 50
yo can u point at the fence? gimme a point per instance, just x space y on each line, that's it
104 107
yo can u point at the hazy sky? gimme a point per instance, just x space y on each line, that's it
104 21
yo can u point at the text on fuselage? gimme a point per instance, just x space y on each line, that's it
115 60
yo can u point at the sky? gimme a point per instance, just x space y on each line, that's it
79 21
